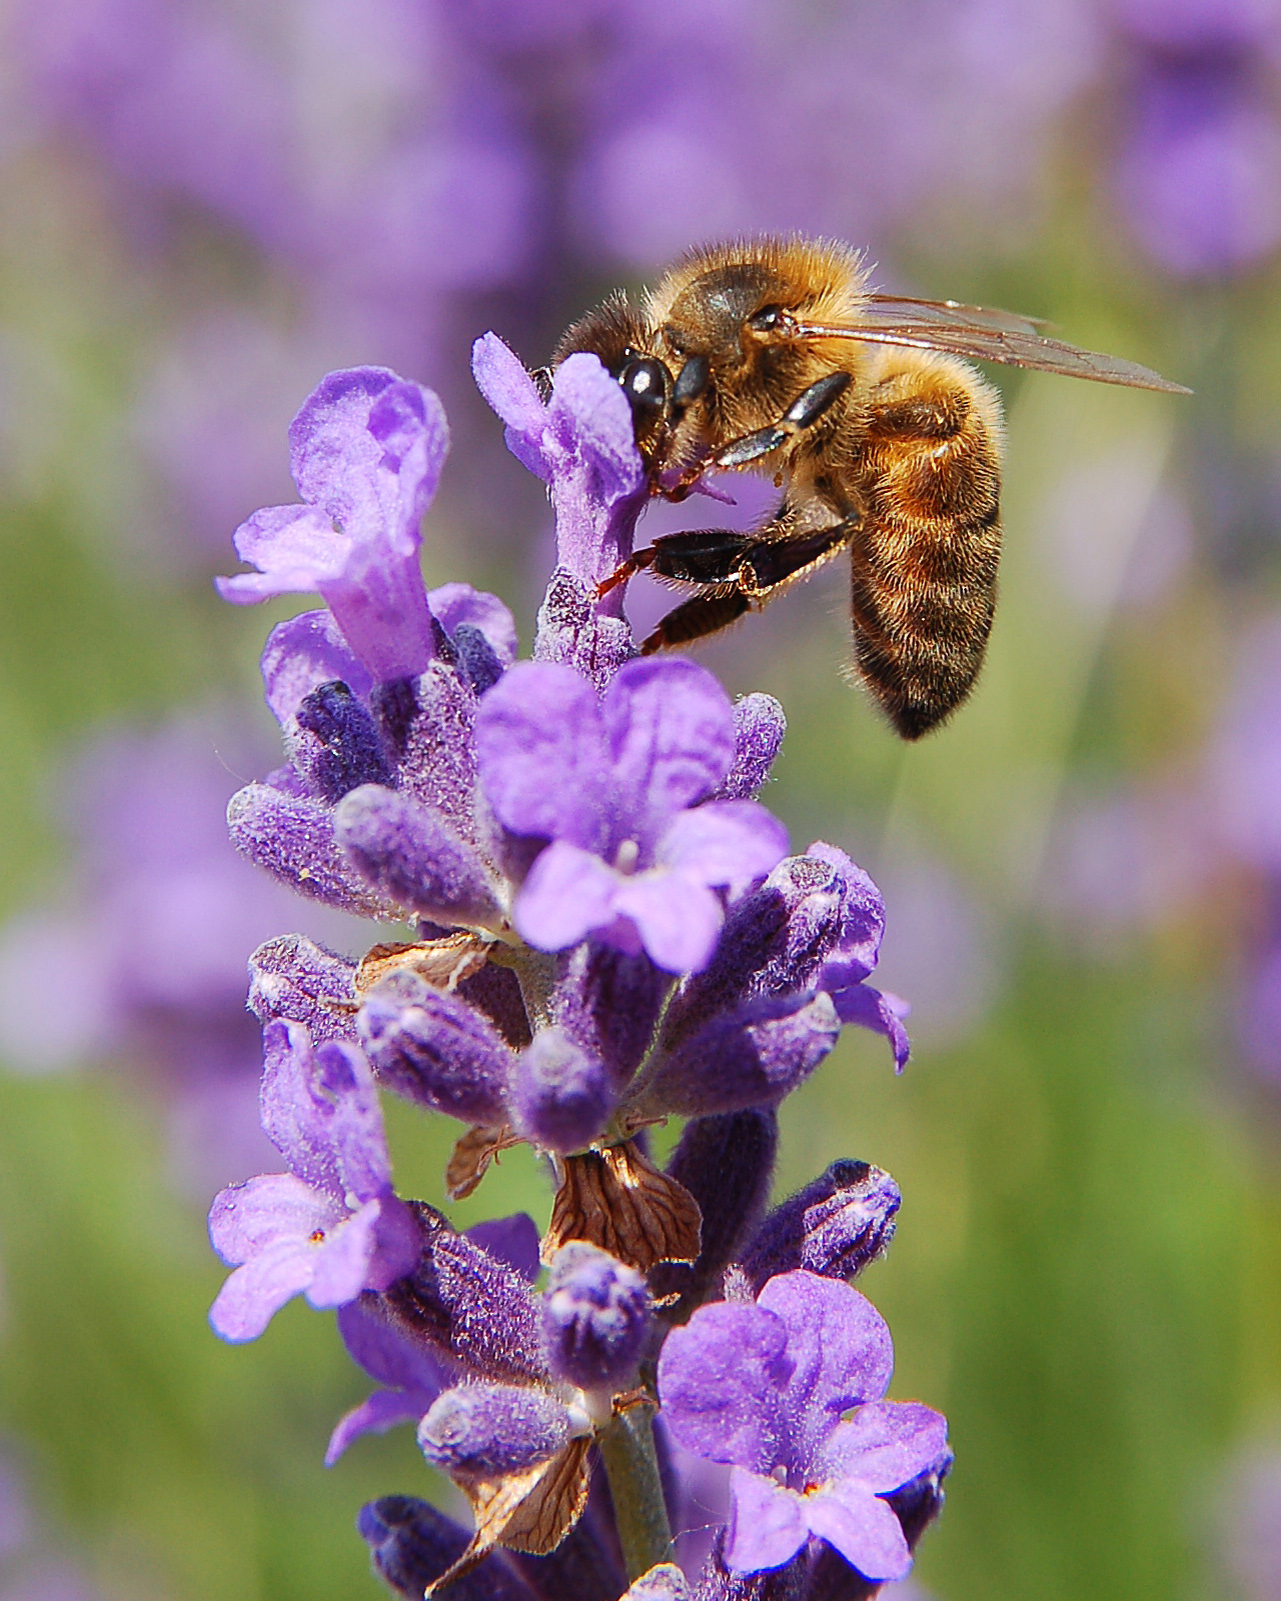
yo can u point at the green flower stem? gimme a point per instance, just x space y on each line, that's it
627 1450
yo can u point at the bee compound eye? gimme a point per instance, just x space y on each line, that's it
644 382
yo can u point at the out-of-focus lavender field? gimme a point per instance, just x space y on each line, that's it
207 204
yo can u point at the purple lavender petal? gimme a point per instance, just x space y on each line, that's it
560 1098
387 1355
292 838
296 1112
511 392
569 893
589 413
767 1524
410 855
453 605
678 918
670 728
543 754
303 653
367 449
378 1413
346 1259
759 726
513 1240
245 1219
884 1445
724 843
721 1383
487 1430
296 549
861 1527
255 1292
862 916
841 1350
882 1013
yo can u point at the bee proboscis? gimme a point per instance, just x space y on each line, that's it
774 356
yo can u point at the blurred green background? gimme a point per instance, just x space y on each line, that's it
1087 1274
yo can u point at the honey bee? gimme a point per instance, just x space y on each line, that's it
775 356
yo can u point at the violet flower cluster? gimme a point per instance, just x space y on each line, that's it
605 929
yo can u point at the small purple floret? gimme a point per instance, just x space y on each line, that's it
367 449
595 1316
764 1387
618 787
331 1227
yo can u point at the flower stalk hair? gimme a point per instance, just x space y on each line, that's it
607 929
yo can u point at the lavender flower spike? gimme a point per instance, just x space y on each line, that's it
764 1388
330 1227
367 449
616 786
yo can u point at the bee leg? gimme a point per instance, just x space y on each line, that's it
704 614
812 404
698 556
748 570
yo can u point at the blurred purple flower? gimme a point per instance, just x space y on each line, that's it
162 916
1199 178
1249 1525
765 1387
331 1226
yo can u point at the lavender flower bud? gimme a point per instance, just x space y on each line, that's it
485 1430
477 659
412 1544
293 977
434 1049
595 1314
752 1057
834 1226
495 991
465 1305
410 853
560 1097
292 838
759 726
726 1163
336 746
773 943
608 1001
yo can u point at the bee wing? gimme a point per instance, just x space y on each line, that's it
983 335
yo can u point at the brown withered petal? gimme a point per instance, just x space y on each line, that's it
530 1512
617 1199
443 963
472 1155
